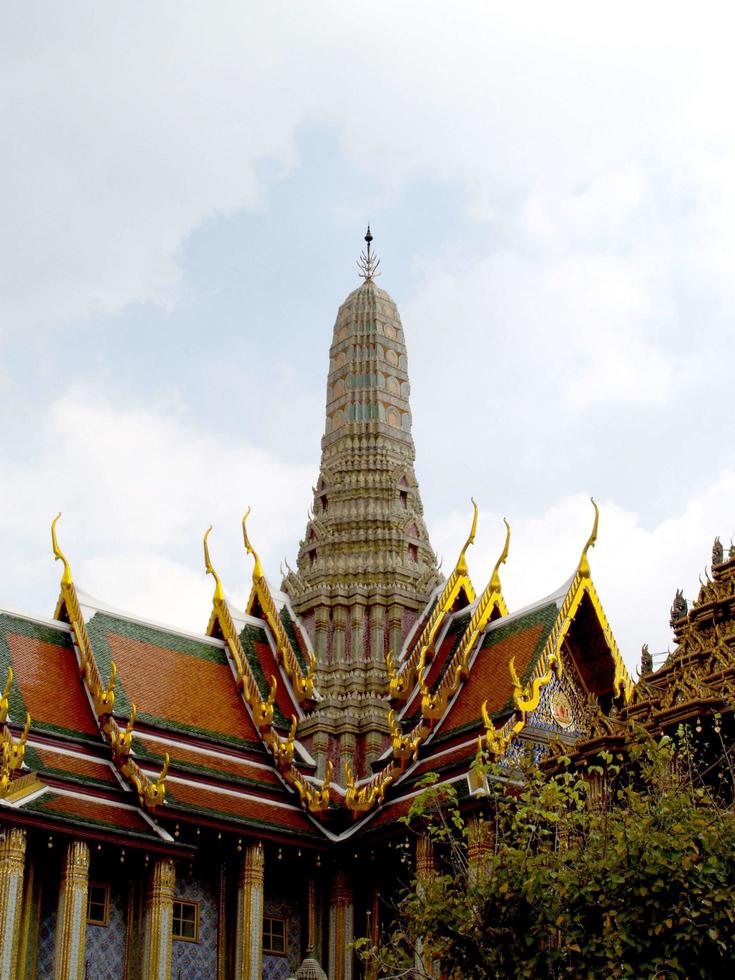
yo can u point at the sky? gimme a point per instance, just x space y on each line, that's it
184 188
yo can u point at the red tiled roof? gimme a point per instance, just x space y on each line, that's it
209 763
48 678
208 802
60 764
489 679
172 686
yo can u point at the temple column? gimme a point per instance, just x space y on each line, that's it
249 937
341 927
377 634
159 913
321 627
314 920
373 746
339 624
12 862
480 845
347 746
395 629
357 639
71 922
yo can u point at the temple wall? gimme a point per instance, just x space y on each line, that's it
196 960
104 946
279 904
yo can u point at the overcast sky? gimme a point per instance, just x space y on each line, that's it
184 191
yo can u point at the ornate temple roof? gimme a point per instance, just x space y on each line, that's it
311 714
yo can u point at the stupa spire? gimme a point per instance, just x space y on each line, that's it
365 566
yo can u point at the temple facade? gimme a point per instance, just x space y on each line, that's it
227 804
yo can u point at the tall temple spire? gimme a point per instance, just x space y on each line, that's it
365 566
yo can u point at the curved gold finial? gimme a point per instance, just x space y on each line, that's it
495 577
219 594
584 565
257 568
462 560
59 555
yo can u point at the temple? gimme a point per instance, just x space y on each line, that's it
227 804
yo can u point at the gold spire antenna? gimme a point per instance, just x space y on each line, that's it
59 555
218 591
495 577
367 263
584 565
258 568
462 560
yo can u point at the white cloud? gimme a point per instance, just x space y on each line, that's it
137 488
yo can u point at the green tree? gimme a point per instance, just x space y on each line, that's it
627 873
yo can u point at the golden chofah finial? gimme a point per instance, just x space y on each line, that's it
59 555
584 565
219 594
257 568
495 577
462 560
5 698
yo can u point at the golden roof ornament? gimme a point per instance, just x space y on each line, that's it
368 263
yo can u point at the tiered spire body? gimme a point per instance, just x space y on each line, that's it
365 566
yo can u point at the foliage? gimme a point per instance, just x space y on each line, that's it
627 873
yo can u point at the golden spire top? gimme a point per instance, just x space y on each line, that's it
584 565
218 591
495 577
59 555
257 568
368 263
462 560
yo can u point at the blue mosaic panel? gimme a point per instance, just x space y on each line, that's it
104 948
197 961
46 933
281 967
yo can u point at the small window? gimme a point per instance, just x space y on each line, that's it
98 904
274 935
186 921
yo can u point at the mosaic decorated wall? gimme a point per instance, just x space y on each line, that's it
197 961
47 930
104 949
281 967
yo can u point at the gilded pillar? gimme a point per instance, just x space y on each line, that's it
249 937
480 845
339 624
377 634
71 922
341 928
425 868
12 861
395 629
159 913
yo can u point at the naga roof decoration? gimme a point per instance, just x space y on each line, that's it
261 598
151 792
697 680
